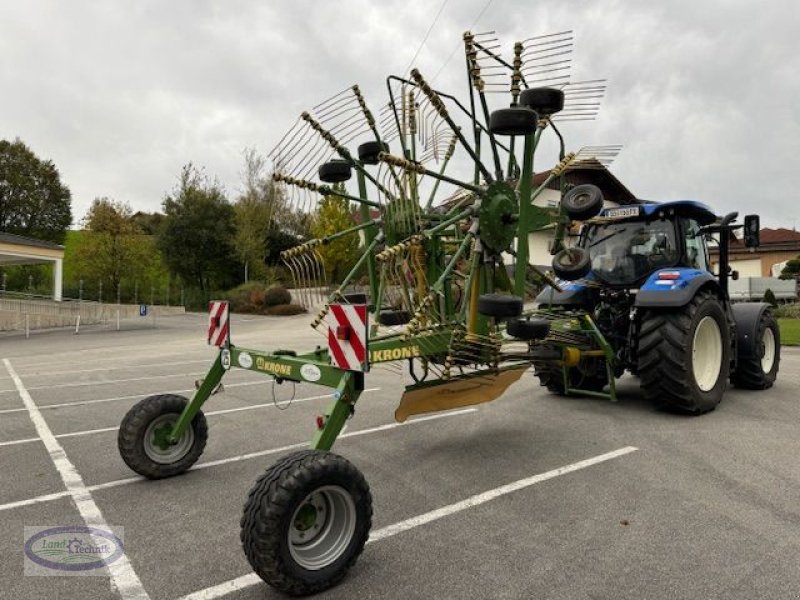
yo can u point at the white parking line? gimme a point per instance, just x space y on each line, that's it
123 577
252 579
126 367
212 413
133 397
241 457
107 382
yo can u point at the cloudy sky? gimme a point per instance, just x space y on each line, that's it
704 94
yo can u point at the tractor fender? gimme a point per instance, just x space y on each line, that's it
675 292
747 316
573 294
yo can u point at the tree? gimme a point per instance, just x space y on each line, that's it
252 214
113 247
266 224
333 216
792 269
196 236
33 201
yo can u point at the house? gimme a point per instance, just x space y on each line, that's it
614 194
19 250
777 246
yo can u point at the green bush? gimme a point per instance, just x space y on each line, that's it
769 297
788 311
285 310
277 295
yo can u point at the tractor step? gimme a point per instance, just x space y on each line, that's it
465 390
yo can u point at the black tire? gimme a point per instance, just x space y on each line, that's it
146 419
272 514
584 377
391 318
368 152
583 202
545 101
750 373
572 263
335 171
355 298
516 120
524 329
666 346
499 306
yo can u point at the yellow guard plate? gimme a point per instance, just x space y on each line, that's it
453 393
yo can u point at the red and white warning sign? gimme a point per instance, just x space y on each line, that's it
218 323
347 336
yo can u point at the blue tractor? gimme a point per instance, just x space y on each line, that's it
637 292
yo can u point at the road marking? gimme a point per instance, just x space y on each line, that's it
123 577
252 579
107 382
125 368
133 397
241 457
212 413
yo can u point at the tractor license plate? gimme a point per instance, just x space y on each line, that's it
619 213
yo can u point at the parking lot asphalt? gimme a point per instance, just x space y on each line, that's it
530 496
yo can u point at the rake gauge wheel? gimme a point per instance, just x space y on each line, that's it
583 202
335 171
528 329
306 521
499 306
368 152
544 100
142 438
572 263
390 318
516 120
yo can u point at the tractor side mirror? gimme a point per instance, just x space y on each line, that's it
752 227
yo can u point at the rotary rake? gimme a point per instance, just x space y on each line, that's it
446 257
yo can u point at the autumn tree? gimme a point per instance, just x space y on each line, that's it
33 201
266 224
113 247
196 236
334 215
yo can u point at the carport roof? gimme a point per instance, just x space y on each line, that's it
10 238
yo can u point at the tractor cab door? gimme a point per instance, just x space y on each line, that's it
695 248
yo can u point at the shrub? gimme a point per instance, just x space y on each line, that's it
769 297
285 310
277 295
788 311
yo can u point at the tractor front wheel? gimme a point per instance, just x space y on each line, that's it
143 433
684 355
758 370
306 521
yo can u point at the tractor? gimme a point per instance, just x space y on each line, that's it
641 275
450 284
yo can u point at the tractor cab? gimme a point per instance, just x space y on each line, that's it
625 245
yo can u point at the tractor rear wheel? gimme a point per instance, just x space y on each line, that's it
306 521
684 355
760 371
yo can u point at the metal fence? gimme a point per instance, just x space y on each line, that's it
28 313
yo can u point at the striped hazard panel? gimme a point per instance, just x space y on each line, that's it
347 336
218 323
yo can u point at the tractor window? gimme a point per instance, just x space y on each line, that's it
622 253
695 247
